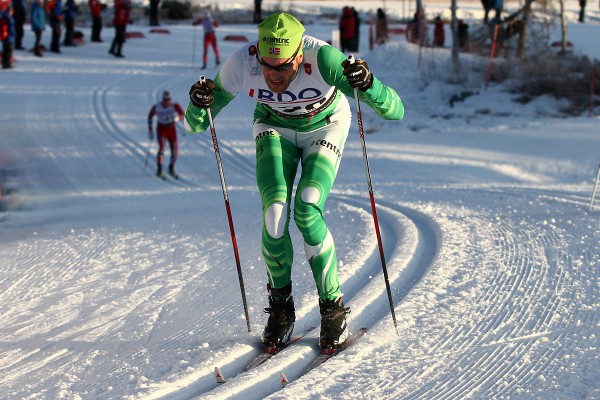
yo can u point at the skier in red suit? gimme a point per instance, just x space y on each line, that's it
166 113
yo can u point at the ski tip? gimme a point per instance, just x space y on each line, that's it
219 376
283 379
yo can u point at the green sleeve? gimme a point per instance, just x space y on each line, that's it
197 118
382 99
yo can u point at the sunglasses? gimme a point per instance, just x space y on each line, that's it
282 67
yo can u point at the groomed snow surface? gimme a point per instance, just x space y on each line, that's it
117 285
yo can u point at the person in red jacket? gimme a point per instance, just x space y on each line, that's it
120 21
166 114
96 11
347 29
439 36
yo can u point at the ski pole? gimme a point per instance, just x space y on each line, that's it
148 153
595 187
226 198
373 209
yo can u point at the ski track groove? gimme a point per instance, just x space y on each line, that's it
391 241
505 329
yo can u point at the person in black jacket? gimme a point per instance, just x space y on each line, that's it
70 11
19 15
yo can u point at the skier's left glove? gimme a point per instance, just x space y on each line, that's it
201 94
358 74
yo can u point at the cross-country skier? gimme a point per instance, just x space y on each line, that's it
166 113
301 116
210 38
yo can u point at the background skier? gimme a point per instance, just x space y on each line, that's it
166 113
301 116
210 38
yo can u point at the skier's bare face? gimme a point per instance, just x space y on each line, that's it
279 72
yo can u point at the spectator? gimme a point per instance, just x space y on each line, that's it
54 12
7 35
166 113
96 10
347 29
120 21
381 27
210 37
70 12
154 12
257 11
439 36
19 14
356 38
38 25
463 35
582 4
412 29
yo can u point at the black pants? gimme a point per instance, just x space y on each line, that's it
69 31
19 34
38 39
96 29
117 43
55 42
7 50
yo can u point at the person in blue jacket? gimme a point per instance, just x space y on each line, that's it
7 36
38 24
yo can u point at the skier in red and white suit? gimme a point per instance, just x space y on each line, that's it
166 113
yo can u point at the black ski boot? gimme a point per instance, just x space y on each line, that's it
172 172
334 330
282 316
159 173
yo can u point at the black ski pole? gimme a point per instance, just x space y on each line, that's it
226 198
373 209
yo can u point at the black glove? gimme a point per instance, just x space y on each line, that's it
201 94
358 74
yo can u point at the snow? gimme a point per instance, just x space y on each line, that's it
116 285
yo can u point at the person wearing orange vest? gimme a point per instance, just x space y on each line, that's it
54 11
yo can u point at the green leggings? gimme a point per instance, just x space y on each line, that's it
278 153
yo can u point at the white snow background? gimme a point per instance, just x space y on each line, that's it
116 285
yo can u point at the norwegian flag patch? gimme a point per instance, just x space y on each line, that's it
274 50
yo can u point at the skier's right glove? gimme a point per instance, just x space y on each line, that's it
201 94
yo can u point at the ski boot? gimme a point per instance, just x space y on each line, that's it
334 329
172 172
282 316
159 173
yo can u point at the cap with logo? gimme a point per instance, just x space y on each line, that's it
280 36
